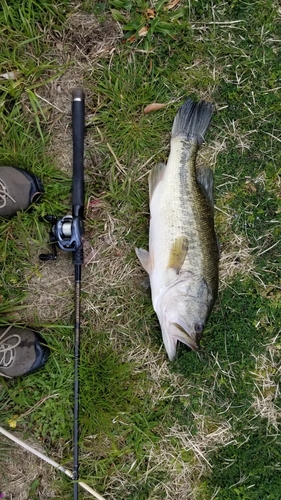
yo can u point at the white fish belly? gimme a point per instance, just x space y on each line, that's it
171 218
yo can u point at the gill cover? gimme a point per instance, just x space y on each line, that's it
183 309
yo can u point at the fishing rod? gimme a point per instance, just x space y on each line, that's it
67 234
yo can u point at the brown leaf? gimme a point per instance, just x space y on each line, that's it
172 4
143 31
153 107
150 13
132 39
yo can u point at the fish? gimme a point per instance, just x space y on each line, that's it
183 257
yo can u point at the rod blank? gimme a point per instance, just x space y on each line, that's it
78 126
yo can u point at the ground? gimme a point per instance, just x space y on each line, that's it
203 427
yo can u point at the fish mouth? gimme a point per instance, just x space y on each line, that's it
185 338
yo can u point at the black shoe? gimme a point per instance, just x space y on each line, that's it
18 190
21 351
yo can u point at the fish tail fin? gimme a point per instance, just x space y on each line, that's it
192 120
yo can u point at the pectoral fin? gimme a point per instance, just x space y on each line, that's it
155 176
144 258
178 253
204 176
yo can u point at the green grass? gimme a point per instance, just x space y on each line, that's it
208 425
26 34
227 372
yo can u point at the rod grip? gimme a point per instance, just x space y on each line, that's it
78 128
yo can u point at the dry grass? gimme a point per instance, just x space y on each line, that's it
112 280
22 469
267 394
236 258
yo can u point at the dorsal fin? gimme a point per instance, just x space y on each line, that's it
204 176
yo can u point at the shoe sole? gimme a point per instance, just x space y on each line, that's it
36 185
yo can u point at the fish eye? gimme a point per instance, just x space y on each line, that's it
199 327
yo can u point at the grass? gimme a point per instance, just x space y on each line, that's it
208 425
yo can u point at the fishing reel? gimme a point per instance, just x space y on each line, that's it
67 234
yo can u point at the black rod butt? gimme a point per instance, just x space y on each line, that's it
78 94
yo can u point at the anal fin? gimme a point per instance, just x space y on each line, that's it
144 258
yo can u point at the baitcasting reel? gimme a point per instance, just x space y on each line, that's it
66 233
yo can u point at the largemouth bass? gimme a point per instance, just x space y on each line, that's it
183 256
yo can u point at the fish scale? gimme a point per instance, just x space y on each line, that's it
182 261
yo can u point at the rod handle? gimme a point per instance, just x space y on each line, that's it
78 128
